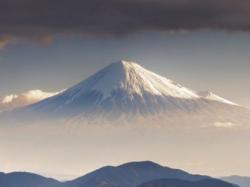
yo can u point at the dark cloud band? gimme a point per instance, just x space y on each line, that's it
41 19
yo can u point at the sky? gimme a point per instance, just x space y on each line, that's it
52 45
201 60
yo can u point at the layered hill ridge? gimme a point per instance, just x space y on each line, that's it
25 179
240 180
130 174
183 183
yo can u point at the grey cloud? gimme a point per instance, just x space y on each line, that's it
42 19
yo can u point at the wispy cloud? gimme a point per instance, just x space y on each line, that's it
42 19
225 124
14 100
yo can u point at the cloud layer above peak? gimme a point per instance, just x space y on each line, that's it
39 20
13 101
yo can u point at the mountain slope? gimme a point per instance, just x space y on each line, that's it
127 175
183 183
125 90
241 181
130 174
24 179
123 87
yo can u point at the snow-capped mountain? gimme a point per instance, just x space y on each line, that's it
127 90
121 87
211 96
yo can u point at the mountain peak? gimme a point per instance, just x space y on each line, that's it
130 80
127 90
144 164
126 62
136 80
124 67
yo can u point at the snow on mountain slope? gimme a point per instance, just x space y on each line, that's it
133 79
121 86
136 80
214 97
127 90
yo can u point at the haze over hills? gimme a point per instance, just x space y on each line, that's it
129 174
242 181
126 91
184 183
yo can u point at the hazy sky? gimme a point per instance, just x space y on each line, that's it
71 151
52 45
204 60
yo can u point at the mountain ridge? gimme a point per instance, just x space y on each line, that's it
243 181
129 174
183 183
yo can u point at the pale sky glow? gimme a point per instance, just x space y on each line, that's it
73 151
176 93
202 60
